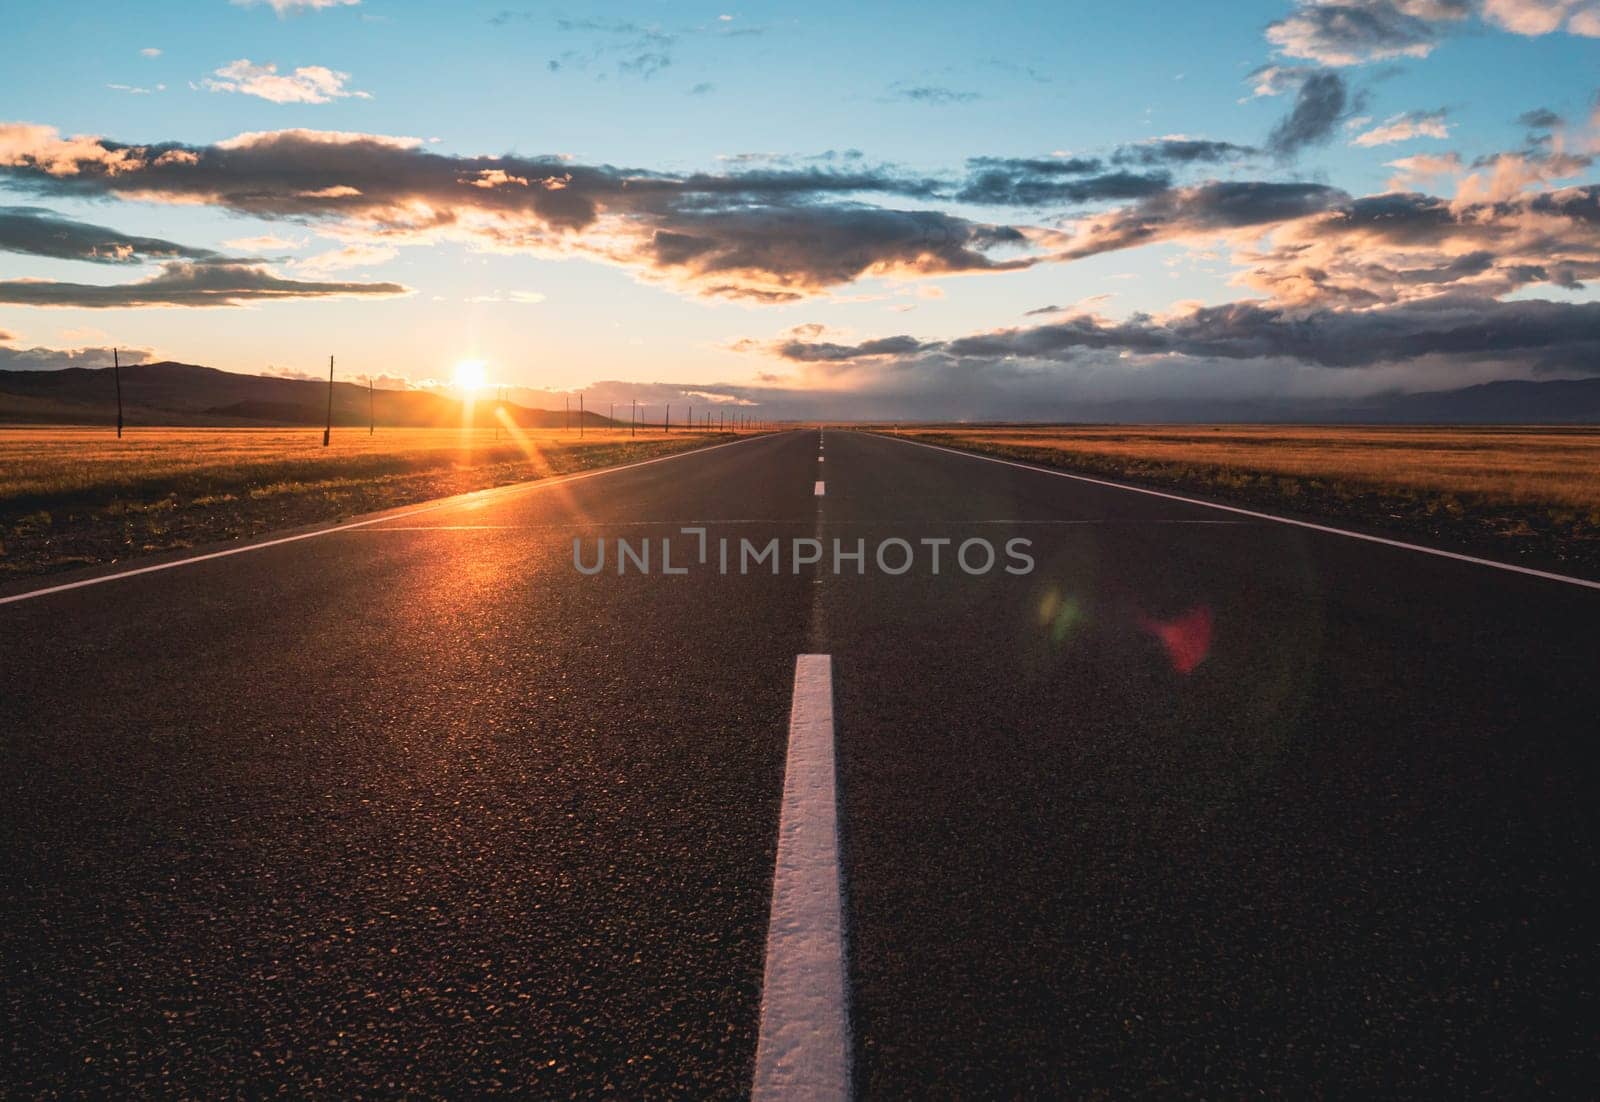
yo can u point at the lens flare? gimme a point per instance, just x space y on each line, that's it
1187 638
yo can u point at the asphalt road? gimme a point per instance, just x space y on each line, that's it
1201 805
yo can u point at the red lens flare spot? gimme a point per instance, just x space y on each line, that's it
1187 638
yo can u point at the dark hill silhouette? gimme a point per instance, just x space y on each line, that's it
169 393
1557 401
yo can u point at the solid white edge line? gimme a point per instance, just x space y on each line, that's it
803 1049
1457 556
818 489
445 503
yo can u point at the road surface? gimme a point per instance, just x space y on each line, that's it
1201 804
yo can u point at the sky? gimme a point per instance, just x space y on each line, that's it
889 210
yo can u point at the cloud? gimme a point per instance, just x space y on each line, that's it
1205 210
1540 17
1422 169
524 297
1275 80
351 256
1181 151
766 234
308 84
1025 182
636 49
1404 247
291 7
150 51
1404 127
1552 336
1319 106
41 232
932 94
646 64
55 359
1351 32
1540 118
777 232
186 283
263 243
134 90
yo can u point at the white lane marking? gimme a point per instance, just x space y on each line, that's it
819 488
1510 567
803 1049
449 502
819 459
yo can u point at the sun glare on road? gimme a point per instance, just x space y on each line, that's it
471 375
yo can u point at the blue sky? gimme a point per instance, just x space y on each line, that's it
897 92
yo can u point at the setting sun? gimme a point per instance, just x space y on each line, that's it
470 374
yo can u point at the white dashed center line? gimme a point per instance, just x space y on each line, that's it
803 1049
819 488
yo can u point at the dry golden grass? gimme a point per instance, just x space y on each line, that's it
51 462
75 496
1491 466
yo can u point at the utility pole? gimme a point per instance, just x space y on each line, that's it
566 413
580 415
611 413
688 422
116 369
666 426
327 432
633 417
372 415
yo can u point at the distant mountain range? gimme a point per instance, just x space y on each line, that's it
1557 401
1519 402
170 393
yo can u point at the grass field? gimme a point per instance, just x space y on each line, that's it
1517 493
77 496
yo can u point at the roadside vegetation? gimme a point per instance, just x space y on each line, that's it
72 497
1528 495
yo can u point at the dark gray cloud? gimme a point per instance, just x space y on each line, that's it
811 248
1540 118
1321 102
1042 181
1046 167
803 351
1550 336
1207 208
1181 151
186 283
1022 184
41 232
